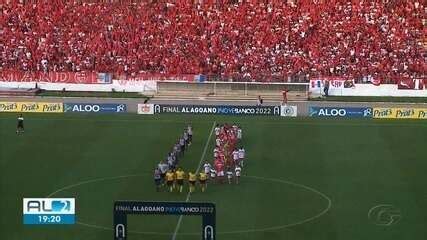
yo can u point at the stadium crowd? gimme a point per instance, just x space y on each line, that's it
381 38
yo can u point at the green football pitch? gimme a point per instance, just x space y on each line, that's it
319 179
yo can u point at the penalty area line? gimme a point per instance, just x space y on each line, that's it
178 224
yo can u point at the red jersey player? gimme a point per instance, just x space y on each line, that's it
285 96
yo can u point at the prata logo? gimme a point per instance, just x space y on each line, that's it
49 206
382 112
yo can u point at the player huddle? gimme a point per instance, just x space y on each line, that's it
228 156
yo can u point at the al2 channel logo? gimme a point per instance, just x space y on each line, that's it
49 210
340 112
95 108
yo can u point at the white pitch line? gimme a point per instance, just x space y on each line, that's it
198 169
298 122
252 230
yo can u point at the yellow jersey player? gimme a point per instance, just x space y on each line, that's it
202 179
170 178
192 177
180 175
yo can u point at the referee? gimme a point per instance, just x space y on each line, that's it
20 127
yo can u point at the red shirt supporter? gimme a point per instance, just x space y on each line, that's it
219 166
246 40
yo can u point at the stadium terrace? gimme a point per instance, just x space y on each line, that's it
213 119
237 40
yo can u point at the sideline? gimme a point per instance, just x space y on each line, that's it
304 121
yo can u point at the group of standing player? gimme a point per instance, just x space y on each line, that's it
175 180
228 157
168 173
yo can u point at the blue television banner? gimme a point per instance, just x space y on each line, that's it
95 108
218 110
348 112
43 219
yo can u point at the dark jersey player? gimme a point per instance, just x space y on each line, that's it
157 178
20 127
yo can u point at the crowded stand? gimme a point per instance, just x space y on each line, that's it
241 40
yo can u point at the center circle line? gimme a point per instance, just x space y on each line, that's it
321 213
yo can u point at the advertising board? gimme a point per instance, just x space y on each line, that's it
345 112
218 110
95 108
33 107
400 113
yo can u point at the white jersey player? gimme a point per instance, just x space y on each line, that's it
163 167
213 174
218 142
236 157
207 168
235 127
220 173
216 152
217 130
237 172
239 133
229 175
242 154
170 162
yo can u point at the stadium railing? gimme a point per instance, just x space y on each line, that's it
244 90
